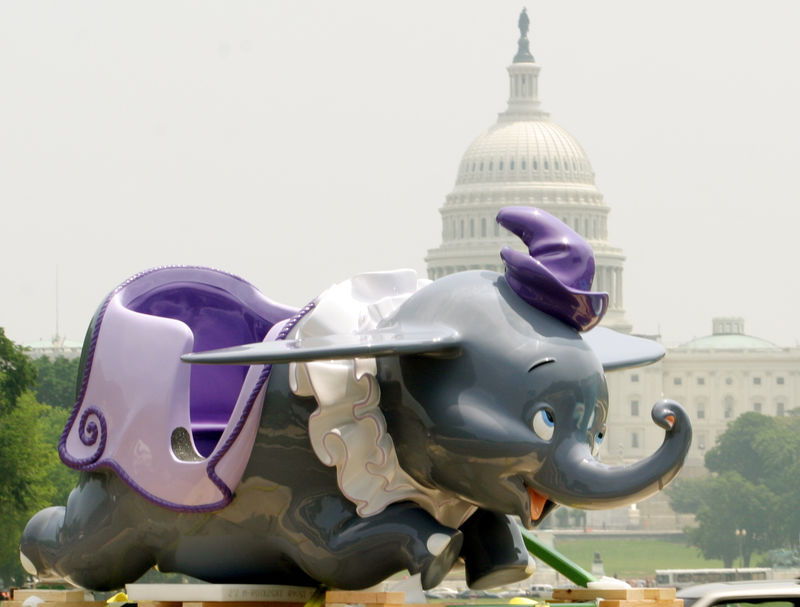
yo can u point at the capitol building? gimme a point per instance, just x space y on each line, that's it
525 158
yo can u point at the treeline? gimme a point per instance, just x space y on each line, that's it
748 504
36 397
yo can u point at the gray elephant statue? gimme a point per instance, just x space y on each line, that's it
392 424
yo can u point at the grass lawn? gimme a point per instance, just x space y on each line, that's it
633 558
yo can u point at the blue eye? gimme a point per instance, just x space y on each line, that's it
598 440
544 424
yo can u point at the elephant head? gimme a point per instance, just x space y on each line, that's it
514 422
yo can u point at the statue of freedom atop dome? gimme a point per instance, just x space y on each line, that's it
523 49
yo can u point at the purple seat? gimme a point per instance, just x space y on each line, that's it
219 315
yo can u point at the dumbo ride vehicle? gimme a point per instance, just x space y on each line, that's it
391 424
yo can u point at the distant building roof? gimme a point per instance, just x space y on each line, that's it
728 334
55 347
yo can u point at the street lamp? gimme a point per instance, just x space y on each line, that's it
741 535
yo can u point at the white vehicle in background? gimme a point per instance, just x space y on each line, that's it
680 578
775 593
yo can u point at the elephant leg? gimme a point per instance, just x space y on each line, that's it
85 543
365 551
493 551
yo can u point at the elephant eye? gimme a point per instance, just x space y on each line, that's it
598 440
544 424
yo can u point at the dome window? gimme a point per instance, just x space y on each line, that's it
535 165
511 164
545 164
523 164
500 165
555 164
483 227
480 167
473 167
491 164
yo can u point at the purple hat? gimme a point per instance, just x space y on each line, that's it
557 275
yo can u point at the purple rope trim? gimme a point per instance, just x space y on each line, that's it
90 433
78 464
261 383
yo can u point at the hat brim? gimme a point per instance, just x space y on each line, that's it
533 282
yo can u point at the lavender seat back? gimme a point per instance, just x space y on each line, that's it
218 318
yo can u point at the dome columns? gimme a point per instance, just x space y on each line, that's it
523 93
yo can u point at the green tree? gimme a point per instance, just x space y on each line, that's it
17 373
757 447
32 475
734 519
749 502
56 381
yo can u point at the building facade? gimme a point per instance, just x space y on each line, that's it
716 378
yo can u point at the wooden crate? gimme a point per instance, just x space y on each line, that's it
343 598
619 597
50 596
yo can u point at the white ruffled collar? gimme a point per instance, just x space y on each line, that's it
348 429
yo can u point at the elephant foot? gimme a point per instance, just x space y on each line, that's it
493 551
500 575
444 550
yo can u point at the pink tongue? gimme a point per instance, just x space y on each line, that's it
537 503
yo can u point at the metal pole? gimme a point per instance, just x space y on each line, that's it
572 571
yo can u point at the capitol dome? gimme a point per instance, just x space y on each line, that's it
525 159
525 151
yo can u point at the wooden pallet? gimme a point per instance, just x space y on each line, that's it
352 598
619 597
53 598
255 603
79 598
333 598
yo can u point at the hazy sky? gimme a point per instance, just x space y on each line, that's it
298 143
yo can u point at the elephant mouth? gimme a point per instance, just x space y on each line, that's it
538 503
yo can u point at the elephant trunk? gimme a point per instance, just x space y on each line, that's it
588 484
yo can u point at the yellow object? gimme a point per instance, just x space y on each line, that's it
120 597
318 598
521 600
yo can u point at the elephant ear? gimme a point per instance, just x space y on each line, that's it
620 351
442 342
